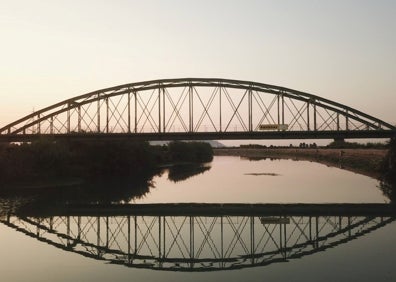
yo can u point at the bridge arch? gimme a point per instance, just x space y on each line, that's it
198 108
195 243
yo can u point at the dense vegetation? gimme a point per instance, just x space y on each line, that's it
340 144
388 181
190 152
47 160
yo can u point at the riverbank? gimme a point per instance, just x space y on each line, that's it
363 161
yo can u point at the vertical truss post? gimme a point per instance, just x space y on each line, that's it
338 121
222 240
308 127
129 238
250 110
220 106
285 240
129 112
283 109
79 227
278 104
68 119
159 237
339 223
252 238
281 240
190 107
107 114
310 229
135 95
317 232
52 125
98 114
38 125
346 121
191 239
135 229
107 231
159 108
98 233
163 111
79 118
164 236
349 226
38 227
68 226
314 109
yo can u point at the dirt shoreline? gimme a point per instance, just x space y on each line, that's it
362 161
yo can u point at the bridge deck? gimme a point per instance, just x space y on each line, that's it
207 135
194 209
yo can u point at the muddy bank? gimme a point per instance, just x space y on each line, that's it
363 161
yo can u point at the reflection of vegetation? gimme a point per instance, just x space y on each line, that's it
388 180
97 192
182 172
46 175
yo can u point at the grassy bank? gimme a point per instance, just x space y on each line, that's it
364 161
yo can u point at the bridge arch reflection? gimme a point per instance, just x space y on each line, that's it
196 241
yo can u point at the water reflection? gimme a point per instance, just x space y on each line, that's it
178 173
198 237
104 190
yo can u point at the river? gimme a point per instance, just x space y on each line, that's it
199 247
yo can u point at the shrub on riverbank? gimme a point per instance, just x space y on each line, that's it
388 180
190 152
47 160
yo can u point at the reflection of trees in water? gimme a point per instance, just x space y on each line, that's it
178 173
388 189
102 191
388 179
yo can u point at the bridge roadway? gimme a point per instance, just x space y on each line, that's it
229 209
170 136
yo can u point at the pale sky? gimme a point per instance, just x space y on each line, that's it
52 50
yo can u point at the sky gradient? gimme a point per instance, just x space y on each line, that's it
340 50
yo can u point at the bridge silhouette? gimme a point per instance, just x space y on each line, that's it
183 240
197 109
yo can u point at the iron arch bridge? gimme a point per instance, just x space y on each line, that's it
193 243
197 108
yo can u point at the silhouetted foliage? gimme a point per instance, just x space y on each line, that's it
388 168
46 162
190 152
340 144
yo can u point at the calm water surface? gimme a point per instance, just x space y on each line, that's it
185 248
236 180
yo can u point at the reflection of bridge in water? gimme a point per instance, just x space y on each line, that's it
198 240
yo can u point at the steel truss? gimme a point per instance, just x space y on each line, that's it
192 107
195 243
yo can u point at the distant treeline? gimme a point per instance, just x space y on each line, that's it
47 159
332 145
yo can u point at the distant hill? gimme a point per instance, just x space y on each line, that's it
213 143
